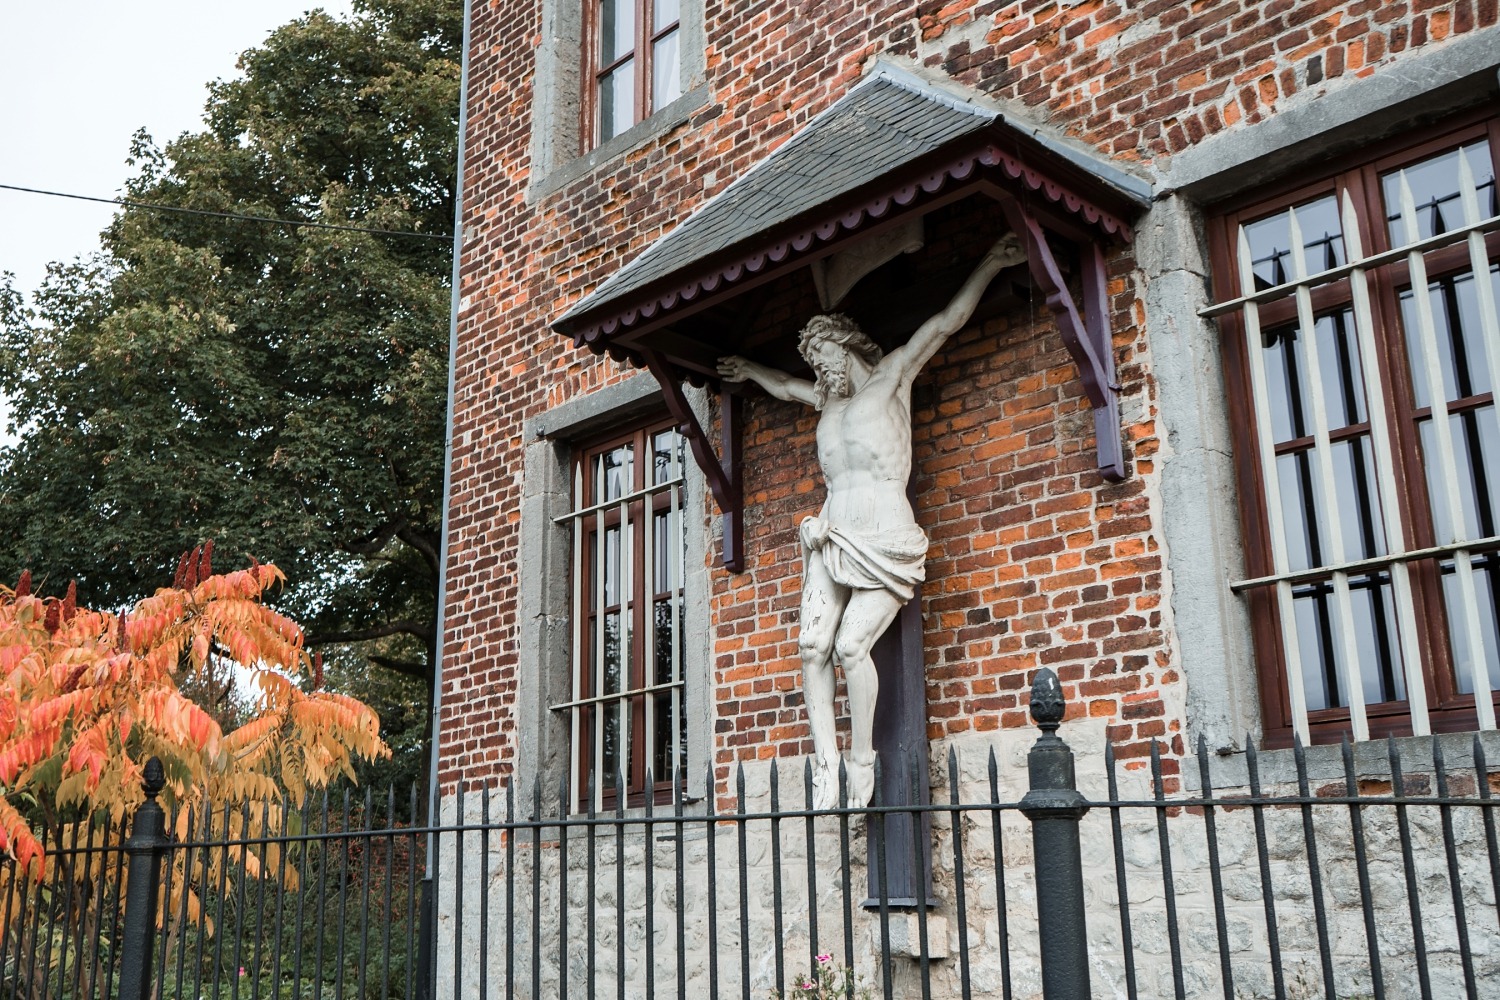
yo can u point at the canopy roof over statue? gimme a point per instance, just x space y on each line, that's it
845 199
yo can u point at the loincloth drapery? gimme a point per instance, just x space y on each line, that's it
894 560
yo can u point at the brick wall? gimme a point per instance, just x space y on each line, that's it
1034 560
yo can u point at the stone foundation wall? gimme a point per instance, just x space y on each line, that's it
734 945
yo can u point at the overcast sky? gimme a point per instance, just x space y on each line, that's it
78 78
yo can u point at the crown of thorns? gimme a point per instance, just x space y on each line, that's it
841 330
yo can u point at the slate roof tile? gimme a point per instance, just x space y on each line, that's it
888 120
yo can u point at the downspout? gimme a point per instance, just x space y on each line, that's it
427 943
458 235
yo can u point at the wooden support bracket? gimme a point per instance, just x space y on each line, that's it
1087 337
723 474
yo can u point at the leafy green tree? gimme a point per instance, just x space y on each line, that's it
277 388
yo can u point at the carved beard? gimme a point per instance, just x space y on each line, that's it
832 380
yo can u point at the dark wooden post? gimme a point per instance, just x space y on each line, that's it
901 746
144 849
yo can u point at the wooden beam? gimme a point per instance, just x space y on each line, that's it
1087 336
723 475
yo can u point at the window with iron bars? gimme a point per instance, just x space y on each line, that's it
1362 349
627 714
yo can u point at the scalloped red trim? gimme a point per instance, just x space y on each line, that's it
959 170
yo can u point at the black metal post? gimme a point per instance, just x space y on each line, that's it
1054 807
426 938
147 838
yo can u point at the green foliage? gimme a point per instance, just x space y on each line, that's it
279 389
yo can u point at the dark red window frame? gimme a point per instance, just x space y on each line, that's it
638 752
642 55
1449 709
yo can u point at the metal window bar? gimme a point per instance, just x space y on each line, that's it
1388 490
1489 325
648 610
1260 395
1355 263
575 713
676 521
615 697
598 582
626 567
1346 654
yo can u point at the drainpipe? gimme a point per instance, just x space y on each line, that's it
426 968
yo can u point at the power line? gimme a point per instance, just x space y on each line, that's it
150 206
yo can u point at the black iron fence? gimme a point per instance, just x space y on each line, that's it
1334 872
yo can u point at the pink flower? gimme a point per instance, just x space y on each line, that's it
825 958
242 970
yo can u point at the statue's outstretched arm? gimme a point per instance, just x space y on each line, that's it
931 335
778 383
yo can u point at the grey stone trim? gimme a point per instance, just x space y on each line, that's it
583 415
544 667
1231 771
1417 89
659 124
545 655
557 97
1199 508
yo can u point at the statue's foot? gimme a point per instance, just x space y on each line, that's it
861 782
825 786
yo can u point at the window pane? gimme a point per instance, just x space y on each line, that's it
1354 514
1299 508
1476 452
611 681
667 532
614 474
1358 512
1288 386
664 643
611 747
1320 642
617 100
665 13
666 71
1462 353
1486 569
666 457
612 567
616 29
1435 192
1270 242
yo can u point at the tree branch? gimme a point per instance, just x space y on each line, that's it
405 626
422 544
411 668
375 540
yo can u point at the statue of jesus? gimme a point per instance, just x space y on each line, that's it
863 553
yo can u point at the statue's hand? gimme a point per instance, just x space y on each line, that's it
734 368
1007 251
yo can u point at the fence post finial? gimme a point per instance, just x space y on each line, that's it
1055 807
144 849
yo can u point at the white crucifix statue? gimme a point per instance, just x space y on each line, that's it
863 553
